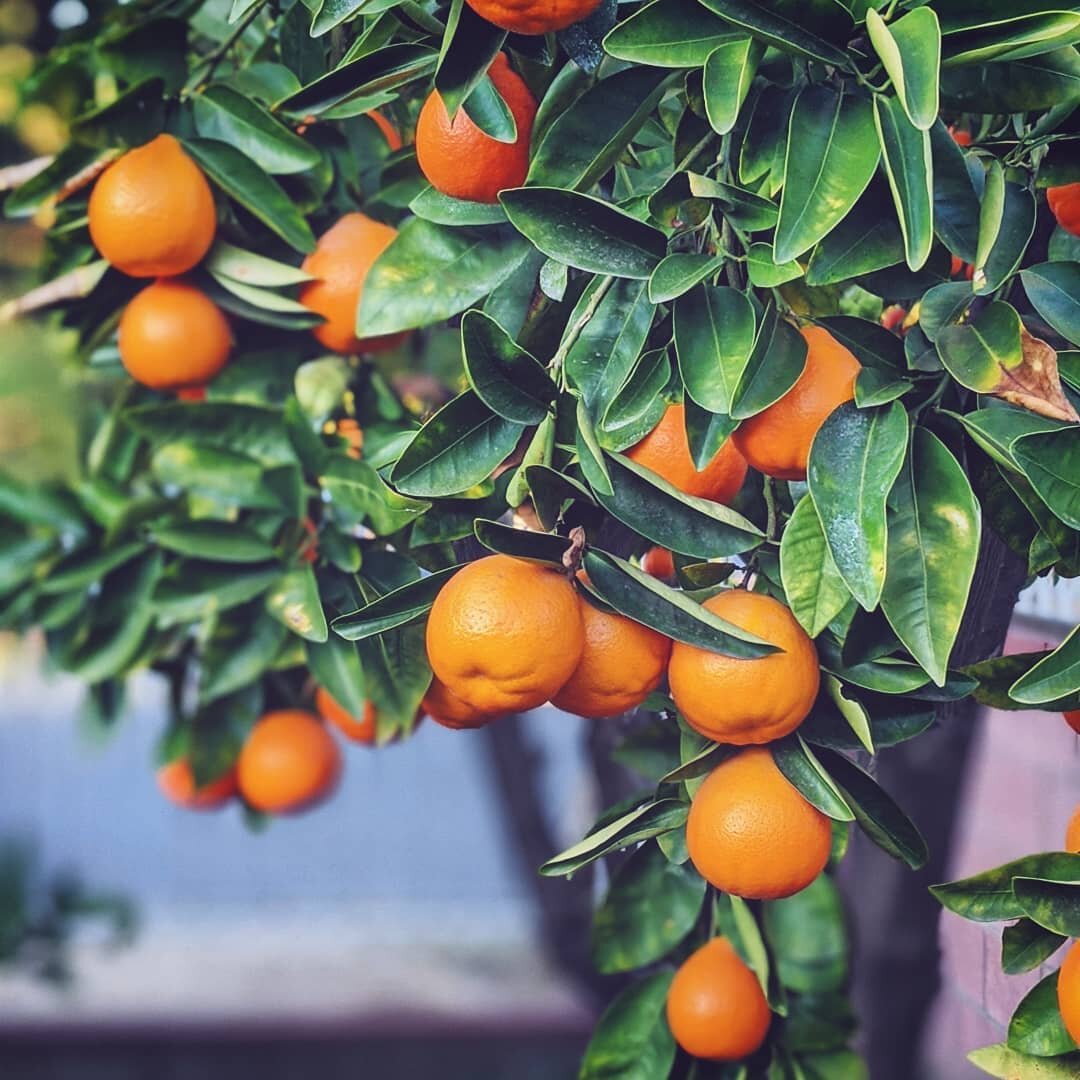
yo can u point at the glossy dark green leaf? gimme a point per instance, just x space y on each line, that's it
357 495
213 540
871 343
528 544
460 446
335 666
815 590
776 362
1054 905
996 675
1036 83
910 50
294 601
1036 1026
397 676
431 272
764 271
1054 291
868 239
815 962
1050 461
854 461
201 589
742 207
832 155
812 30
487 109
469 46
638 406
1025 945
1011 239
434 206
989 897
909 167
714 337
669 34
729 71
706 432
873 387
798 763
236 658
626 933
584 232
632 1040
969 36
761 156
1054 677
394 609
943 305
679 273
956 203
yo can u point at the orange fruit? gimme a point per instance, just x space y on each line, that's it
353 434
752 834
1065 205
361 730
777 440
389 132
715 1007
742 701
961 136
621 665
340 262
1072 718
1072 832
504 634
533 16
151 212
177 784
447 709
893 316
666 452
1068 991
172 335
288 762
659 563
191 393
459 160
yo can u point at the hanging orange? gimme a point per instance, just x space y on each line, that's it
1065 205
447 709
359 729
177 783
533 16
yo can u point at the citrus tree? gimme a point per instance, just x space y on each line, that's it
765 316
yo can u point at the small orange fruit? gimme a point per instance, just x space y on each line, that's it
172 335
288 762
715 1007
1072 718
459 159
1068 991
533 16
504 634
389 132
353 434
361 730
621 665
1072 832
177 783
1065 205
961 136
777 440
447 709
659 563
342 259
752 834
666 451
151 213
893 317
742 701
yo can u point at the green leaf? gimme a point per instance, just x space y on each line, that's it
294 601
943 305
1053 677
797 762
430 272
872 344
909 167
486 108
706 432
506 377
358 495
1036 1026
584 232
224 476
335 666
590 453
806 29
729 71
1054 291
669 34
956 203
240 655
1050 461
933 546
642 598
241 179
469 46
1011 239
714 336
434 206
198 590
868 239
989 896
970 37
998 1060
775 364
855 458
1052 904
815 590
1025 945
831 156
1031 85
399 607
638 406
86 568
996 675
910 50
34 193
650 907
816 962
213 540
765 272
632 1041
679 273
672 519
249 268
873 387
223 114
741 207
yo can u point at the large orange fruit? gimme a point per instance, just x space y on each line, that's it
715 1007
358 729
1068 991
177 784
750 833
1072 832
777 441
172 335
1072 718
1065 205
621 665
533 16
340 262
151 213
744 701
459 160
447 709
666 451
288 762
504 635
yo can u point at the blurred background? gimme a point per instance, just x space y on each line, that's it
401 930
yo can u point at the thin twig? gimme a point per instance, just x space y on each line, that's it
71 286
15 175
215 56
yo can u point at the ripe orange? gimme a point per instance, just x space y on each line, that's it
504 634
1072 832
288 762
1068 991
191 393
747 701
666 451
151 213
447 709
750 833
777 441
659 563
715 1007
459 160
1072 718
353 434
1065 205
340 262
172 335
533 16
177 784
893 316
961 136
361 730
621 665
